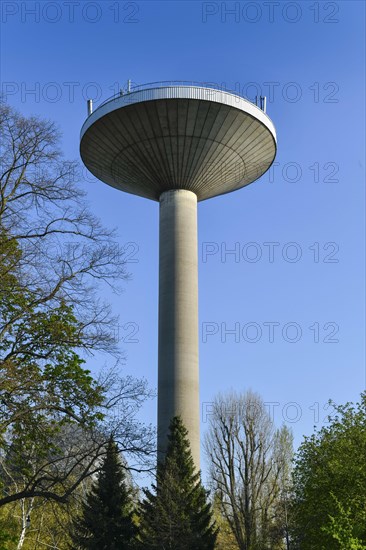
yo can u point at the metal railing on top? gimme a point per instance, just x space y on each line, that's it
165 83
132 87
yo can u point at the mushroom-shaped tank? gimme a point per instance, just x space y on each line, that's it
196 138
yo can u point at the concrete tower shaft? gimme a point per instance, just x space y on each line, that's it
178 387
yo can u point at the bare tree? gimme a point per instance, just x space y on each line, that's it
246 460
63 250
73 449
54 257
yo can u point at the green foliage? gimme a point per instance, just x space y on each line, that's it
341 528
106 522
8 526
177 516
43 383
37 335
7 539
225 537
330 483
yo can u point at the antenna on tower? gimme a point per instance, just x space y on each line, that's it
128 86
90 106
263 103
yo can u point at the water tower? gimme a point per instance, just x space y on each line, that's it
178 143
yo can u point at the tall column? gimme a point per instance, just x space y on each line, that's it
178 384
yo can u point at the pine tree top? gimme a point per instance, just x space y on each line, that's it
178 454
106 522
178 515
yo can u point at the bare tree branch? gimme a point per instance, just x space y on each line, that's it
245 466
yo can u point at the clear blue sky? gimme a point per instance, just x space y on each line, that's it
308 59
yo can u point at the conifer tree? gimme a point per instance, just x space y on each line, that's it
177 515
106 521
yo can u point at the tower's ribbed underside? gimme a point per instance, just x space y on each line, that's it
201 145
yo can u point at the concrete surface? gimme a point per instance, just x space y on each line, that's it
178 377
